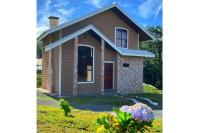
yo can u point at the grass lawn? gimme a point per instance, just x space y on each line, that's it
52 120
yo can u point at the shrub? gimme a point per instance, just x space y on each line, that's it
65 106
127 119
39 79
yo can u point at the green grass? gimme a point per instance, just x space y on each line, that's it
151 89
99 100
151 93
51 119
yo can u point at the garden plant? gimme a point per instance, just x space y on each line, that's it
127 119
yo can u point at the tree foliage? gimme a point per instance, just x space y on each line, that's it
39 49
153 66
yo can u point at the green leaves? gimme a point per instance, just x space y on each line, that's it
123 118
121 122
65 106
153 66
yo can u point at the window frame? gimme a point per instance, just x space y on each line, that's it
83 82
126 37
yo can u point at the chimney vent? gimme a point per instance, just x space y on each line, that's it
53 21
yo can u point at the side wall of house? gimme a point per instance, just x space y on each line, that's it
45 67
67 68
106 23
54 65
130 79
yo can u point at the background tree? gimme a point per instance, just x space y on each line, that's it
153 66
39 49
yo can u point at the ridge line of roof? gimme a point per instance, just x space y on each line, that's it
49 31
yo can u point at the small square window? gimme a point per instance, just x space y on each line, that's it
125 64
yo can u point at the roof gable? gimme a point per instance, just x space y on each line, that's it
144 35
125 52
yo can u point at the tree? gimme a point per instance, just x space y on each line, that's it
39 49
153 66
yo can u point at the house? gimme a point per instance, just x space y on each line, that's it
94 54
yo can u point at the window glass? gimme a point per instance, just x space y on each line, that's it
85 64
121 37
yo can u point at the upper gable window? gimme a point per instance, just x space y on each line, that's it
121 37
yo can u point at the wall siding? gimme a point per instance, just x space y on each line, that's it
106 23
111 55
45 64
91 88
130 79
67 68
55 68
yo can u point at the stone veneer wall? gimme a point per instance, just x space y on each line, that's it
129 79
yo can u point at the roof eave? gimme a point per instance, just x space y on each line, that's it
49 31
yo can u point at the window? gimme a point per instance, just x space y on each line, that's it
125 64
121 37
85 64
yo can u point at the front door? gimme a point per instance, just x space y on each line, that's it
108 76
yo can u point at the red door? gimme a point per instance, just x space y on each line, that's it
108 75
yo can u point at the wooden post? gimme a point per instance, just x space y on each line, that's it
50 72
102 65
60 67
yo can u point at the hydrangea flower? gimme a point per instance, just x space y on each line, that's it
125 108
140 112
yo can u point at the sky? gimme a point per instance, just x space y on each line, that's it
145 12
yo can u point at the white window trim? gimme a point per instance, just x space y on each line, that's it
113 71
86 45
127 36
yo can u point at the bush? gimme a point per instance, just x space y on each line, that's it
39 79
65 106
127 119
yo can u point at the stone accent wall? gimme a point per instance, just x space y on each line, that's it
102 66
129 79
75 67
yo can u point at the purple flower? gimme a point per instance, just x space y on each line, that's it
125 108
141 112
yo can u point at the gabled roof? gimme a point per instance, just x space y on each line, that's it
122 51
144 35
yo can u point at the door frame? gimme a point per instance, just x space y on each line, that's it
113 64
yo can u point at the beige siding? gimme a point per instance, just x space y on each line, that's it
45 69
91 88
106 23
55 68
67 67
111 55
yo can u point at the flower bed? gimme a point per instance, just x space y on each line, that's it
127 119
